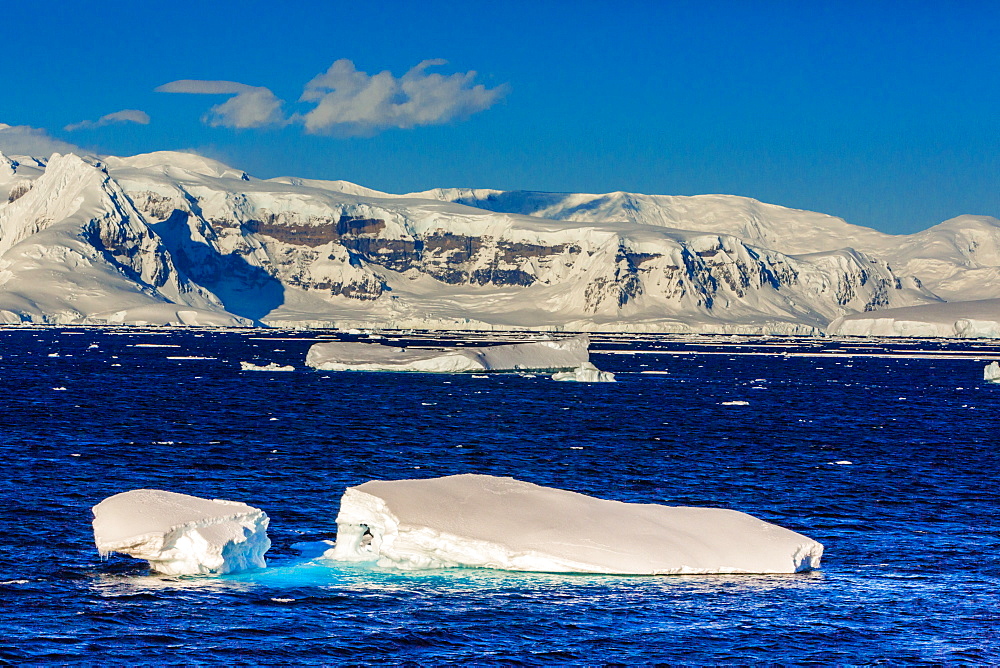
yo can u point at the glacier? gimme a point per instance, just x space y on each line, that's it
550 355
486 521
180 534
976 319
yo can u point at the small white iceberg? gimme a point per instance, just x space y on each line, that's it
555 355
489 522
273 366
585 373
180 534
992 372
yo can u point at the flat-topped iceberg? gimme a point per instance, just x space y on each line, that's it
556 355
490 522
180 534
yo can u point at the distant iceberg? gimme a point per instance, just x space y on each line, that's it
490 522
585 373
273 366
992 372
180 534
556 355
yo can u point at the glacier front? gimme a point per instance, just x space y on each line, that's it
492 522
180 534
555 355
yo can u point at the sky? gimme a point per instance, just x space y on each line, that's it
886 114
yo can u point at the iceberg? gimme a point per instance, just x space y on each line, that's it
992 372
273 366
491 522
585 373
180 534
555 355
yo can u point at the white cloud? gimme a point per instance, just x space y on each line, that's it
250 106
123 116
350 102
26 140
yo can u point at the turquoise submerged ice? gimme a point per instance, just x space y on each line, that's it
554 355
180 534
492 522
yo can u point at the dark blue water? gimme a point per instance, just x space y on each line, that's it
910 526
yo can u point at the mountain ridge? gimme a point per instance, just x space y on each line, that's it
166 233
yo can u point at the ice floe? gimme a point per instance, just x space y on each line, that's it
273 366
551 355
585 373
491 522
180 534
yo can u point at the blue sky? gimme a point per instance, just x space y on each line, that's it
885 114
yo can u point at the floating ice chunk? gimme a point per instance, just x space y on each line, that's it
489 522
556 355
180 534
735 403
273 366
992 372
585 373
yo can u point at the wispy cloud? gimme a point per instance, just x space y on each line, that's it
123 116
353 102
26 140
349 102
250 106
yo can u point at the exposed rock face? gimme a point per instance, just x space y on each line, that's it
185 231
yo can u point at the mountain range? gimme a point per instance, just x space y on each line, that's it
176 238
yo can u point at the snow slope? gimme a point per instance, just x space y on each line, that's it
490 522
177 238
963 320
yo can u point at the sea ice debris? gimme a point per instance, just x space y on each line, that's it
491 522
180 534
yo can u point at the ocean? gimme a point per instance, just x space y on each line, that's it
886 452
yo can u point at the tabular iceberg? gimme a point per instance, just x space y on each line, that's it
992 372
556 355
180 534
490 522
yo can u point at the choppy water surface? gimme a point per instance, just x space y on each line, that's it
910 524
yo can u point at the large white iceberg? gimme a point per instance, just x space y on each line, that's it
556 355
180 534
992 372
490 522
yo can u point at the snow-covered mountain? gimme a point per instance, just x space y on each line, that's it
174 237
